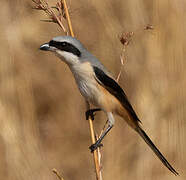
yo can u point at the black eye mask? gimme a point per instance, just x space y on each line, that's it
65 46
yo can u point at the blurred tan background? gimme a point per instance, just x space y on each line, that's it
42 123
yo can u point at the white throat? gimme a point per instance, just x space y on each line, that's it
68 57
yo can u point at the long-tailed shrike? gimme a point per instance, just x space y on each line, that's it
99 88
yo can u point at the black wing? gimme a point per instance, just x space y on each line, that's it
113 87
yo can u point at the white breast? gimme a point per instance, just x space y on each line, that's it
84 76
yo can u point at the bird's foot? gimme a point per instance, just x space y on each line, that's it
94 146
90 113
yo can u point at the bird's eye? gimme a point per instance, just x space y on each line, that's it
63 44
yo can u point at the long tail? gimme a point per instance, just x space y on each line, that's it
155 150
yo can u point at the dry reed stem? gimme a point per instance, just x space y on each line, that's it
68 18
61 6
95 153
99 160
57 174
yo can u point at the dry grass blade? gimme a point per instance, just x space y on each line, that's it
44 6
57 174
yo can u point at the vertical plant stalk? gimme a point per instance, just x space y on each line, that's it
63 14
68 18
92 134
95 153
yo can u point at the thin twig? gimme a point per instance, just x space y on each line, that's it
122 57
68 18
57 174
125 39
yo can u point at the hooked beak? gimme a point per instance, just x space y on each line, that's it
45 47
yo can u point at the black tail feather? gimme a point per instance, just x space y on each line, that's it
155 150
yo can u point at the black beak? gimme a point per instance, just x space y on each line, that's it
45 47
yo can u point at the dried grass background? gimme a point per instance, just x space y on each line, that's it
42 123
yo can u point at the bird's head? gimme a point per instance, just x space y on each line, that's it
67 48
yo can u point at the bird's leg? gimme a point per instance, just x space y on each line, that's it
98 142
109 127
90 113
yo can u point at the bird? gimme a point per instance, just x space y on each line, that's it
99 88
